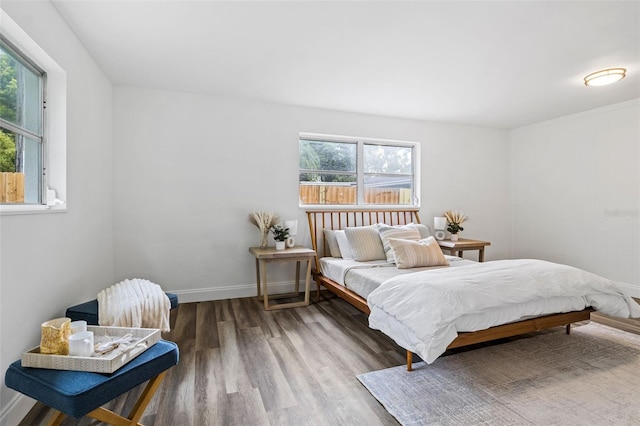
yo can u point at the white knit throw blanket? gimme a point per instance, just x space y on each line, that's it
134 303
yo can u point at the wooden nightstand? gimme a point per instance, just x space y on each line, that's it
296 254
455 248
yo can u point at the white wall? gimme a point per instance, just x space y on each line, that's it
51 261
575 185
188 169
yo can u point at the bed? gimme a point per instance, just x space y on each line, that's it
358 280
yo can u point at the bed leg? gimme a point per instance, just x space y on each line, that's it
409 361
569 328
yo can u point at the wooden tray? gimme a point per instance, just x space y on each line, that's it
108 363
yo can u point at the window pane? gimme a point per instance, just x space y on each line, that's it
327 156
387 159
20 92
388 189
20 169
328 172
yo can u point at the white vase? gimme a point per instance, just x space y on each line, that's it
454 237
280 245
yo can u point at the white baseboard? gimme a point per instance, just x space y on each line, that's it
234 292
16 410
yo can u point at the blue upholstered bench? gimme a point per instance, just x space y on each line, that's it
80 393
88 311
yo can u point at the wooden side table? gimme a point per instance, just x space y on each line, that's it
296 254
455 248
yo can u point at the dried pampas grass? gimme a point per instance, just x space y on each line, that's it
263 221
457 217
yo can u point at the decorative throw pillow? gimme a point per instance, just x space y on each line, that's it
343 244
332 242
401 232
414 254
365 243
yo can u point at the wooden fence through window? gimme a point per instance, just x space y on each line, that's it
335 194
11 187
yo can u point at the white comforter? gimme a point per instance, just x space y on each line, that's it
424 311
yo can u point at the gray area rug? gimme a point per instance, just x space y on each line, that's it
591 377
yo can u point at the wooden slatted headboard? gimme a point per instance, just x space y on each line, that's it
340 219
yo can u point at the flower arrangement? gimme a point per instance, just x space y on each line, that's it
264 221
280 233
455 220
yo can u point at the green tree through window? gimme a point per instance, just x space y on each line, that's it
330 161
8 103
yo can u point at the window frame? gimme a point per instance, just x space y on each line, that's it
360 142
54 121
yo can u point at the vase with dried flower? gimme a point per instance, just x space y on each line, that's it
454 223
280 234
264 221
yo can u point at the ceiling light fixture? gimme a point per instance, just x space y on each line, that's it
604 77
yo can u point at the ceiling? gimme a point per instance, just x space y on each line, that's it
501 64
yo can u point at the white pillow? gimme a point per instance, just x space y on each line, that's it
332 242
425 231
343 244
415 254
401 232
365 243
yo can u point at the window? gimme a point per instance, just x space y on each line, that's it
356 171
22 87
33 125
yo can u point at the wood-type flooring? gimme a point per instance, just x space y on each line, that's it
241 365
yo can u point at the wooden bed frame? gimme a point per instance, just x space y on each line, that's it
340 219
